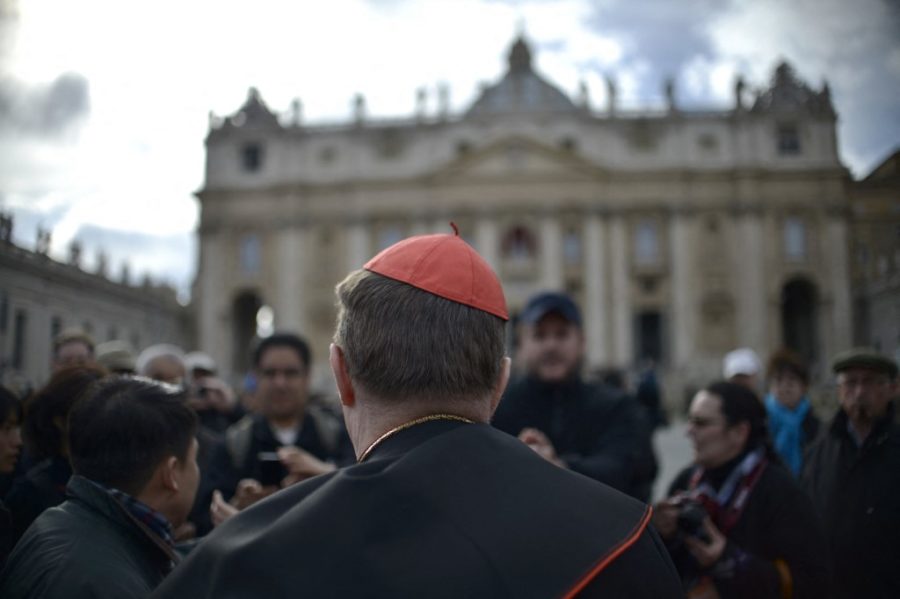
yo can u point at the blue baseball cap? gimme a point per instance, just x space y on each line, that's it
548 302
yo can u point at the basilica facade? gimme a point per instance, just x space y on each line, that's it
681 233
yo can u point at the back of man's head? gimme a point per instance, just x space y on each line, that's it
295 342
124 427
424 319
402 342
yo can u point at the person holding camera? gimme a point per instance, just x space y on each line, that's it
735 522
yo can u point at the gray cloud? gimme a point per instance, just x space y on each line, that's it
48 110
659 35
171 258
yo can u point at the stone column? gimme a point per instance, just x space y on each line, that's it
683 301
551 266
621 296
359 244
838 277
213 306
487 242
596 308
290 313
749 265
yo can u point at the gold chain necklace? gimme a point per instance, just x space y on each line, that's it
406 425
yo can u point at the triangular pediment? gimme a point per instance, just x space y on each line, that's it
519 157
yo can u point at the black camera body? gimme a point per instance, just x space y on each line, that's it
691 515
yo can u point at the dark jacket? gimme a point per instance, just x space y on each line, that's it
777 524
440 509
594 429
236 457
6 533
856 492
42 487
89 547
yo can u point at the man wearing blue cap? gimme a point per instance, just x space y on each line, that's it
589 428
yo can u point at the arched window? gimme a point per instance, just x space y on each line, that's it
519 245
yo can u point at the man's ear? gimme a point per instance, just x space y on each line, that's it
502 380
167 472
341 375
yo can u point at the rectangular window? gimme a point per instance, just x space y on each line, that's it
4 310
55 327
646 243
572 247
788 139
250 254
649 337
251 157
20 334
794 239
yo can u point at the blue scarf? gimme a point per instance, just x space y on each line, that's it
786 427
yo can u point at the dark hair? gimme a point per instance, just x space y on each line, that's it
50 406
10 407
785 360
401 342
740 404
124 426
295 342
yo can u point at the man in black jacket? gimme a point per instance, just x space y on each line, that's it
133 452
291 438
440 504
590 428
852 474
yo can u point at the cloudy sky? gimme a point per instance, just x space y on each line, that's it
104 104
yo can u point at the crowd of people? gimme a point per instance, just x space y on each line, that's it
442 468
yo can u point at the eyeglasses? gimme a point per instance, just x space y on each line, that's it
700 422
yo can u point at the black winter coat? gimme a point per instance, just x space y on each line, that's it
42 487
90 547
856 492
777 524
594 429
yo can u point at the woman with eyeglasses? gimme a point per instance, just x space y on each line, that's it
735 522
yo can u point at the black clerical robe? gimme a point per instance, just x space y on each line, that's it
441 509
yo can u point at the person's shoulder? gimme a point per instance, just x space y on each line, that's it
682 480
778 479
602 398
519 386
49 544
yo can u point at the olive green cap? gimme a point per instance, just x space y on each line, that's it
864 357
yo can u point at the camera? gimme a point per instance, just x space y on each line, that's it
691 515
